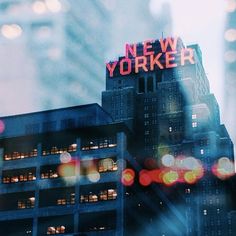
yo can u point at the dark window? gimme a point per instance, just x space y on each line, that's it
150 84
141 85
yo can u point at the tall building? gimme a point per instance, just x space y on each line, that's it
160 90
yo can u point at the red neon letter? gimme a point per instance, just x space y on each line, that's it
147 45
140 64
189 56
122 71
155 60
111 67
131 50
172 42
170 58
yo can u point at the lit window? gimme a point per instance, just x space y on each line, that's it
202 151
59 150
187 190
106 165
70 200
170 129
26 203
194 116
204 212
194 124
20 155
56 230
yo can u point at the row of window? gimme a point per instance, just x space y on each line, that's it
102 166
20 155
86 145
110 194
56 150
98 143
19 178
103 195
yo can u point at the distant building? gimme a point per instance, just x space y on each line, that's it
58 40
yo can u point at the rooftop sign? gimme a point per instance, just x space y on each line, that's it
152 55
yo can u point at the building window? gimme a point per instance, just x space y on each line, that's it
194 116
106 165
70 200
170 129
56 230
141 85
202 151
194 124
103 195
58 150
20 155
187 190
18 177
26 203
97 143
204 212
49 174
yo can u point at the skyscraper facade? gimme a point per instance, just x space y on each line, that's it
160 90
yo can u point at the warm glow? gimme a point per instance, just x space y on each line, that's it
145 178
93 176
170 177
39 7
190 177
231 6
224 168
67 169
230 35
53 5
127 177
11 31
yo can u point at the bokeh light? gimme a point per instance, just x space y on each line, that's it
230 56
230 5
67 169
39 7
2 126
53 5
145 178
224 168
190 177
230 35
127 177
168 160
150 163
11 31
65 157
170 177
93 176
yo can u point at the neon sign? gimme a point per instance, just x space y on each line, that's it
151 55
